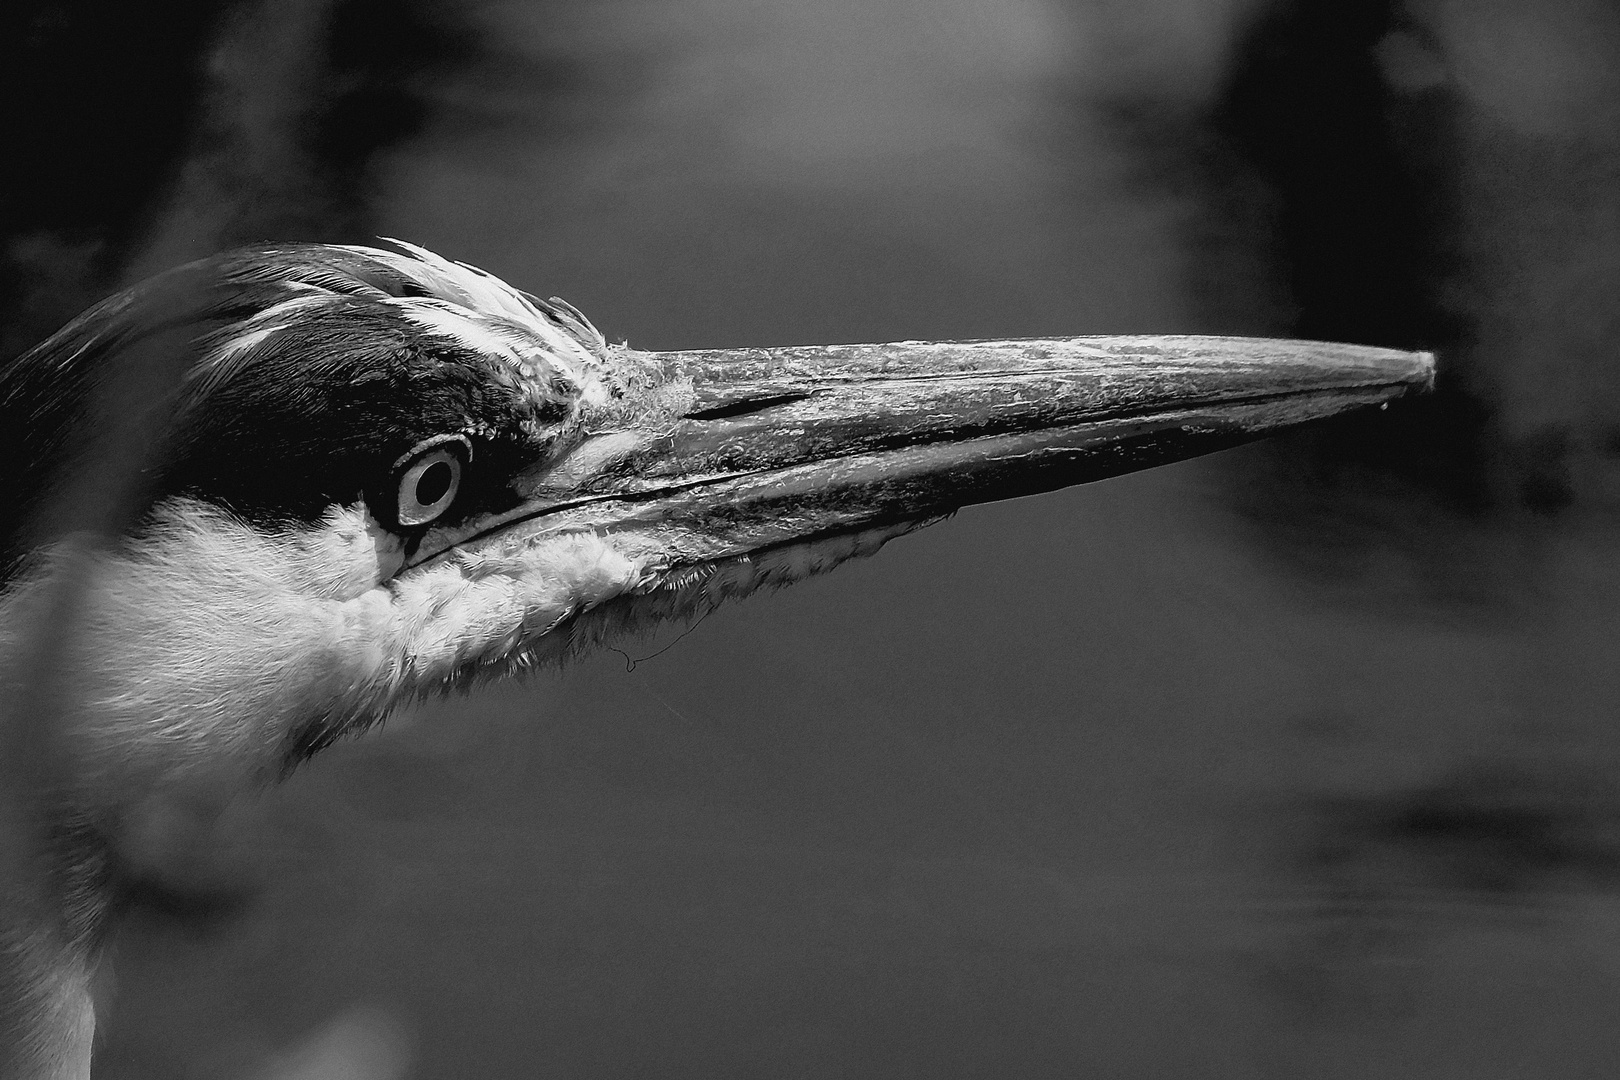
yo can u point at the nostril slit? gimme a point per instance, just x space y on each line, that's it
745 406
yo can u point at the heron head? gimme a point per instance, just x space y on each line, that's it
381 473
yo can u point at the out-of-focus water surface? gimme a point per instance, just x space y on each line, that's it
1300 761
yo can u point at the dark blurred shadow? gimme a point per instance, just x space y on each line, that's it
1365 182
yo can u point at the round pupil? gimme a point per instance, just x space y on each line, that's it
433 483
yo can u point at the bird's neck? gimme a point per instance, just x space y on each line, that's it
47 1020
129 685
185 665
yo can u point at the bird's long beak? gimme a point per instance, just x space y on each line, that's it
754 448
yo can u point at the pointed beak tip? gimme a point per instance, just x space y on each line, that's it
1429 364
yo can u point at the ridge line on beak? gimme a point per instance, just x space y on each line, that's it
760 446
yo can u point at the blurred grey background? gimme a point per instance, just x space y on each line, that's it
1298 761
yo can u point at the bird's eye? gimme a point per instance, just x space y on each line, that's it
429 478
